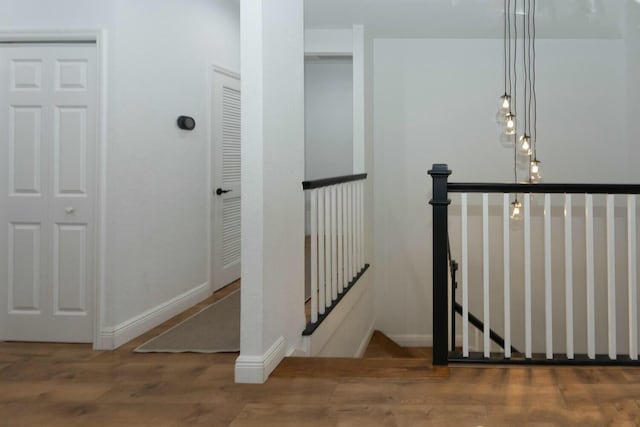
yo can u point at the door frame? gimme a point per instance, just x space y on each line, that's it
99 38
212 69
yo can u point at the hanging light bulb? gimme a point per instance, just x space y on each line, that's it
510 128
536 173
505 104
516 210
525 145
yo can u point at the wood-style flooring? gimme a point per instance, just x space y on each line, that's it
71 385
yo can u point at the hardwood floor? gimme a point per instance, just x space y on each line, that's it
71 385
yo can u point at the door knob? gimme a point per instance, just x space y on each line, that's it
69 209
220 191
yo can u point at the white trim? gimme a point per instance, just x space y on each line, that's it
365 341
256 369
99 37
358 99
114 337
51 35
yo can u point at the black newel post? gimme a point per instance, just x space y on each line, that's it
440 203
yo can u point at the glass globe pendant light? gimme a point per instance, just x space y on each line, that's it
536 173
510 126
505 104
525 145
516 210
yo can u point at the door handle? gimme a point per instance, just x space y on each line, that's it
220 191
69 209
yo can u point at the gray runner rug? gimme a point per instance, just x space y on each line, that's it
214 329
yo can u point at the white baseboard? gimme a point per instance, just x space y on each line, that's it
365 342
113 337
256 369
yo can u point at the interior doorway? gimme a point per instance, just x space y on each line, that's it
225 178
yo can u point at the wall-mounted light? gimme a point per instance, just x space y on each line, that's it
186 123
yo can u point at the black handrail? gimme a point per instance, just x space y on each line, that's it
479 187
325 182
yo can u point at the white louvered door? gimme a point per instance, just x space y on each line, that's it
47 180
226 179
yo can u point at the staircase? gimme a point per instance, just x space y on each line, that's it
383 358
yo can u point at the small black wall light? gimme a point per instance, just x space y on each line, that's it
186 123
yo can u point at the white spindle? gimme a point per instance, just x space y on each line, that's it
354 226
485 274
349 232
591 323
314 256
334 244
362 224
632 277
340 241
548 296
327 245
357 228
507 275
345 236
321 278
611 275
568 274
465 276
527 275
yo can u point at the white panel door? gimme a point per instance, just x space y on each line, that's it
47 177
225 132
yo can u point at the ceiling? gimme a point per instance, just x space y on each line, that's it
468 18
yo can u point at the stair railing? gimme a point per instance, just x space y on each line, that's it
620 353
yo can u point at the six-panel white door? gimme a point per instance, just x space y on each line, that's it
47 178
225 123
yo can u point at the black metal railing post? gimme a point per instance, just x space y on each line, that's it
440 206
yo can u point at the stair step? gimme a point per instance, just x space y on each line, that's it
381 346
325 367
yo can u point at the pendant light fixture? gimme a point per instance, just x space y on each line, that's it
524 131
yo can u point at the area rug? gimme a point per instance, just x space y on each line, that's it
214 329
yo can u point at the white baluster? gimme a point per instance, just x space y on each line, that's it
321 269
527 275
334 243
611 275
362 216
465 275
568 274
349 231
340 242
356 234
507 275
548 296
314 256
485 274
633 277
327 245
345 235
591 324
354 227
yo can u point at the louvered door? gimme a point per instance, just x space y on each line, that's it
226 179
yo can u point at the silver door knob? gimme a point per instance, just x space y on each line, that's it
69 209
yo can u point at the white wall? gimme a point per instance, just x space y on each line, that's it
435 102
328 107
157 187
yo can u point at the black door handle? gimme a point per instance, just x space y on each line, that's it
220 191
